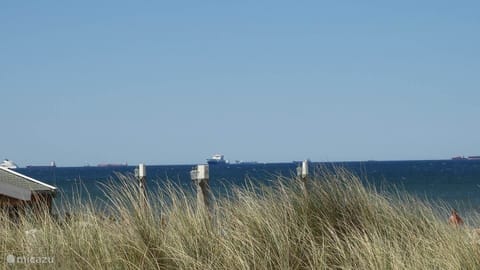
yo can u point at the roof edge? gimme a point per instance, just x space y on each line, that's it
28 178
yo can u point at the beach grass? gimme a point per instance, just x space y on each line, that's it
339 223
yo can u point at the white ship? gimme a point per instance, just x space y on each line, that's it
216 159
52 165
8 164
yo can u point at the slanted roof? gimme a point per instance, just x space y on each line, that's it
19 186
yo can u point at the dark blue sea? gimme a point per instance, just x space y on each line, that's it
456 182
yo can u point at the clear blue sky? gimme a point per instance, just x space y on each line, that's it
175 82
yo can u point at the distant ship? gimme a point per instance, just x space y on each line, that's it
216 159
8 164
113 164
466 158
52 165
241 162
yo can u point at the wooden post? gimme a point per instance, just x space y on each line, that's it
200 177
141 175
302 173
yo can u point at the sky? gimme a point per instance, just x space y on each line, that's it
174 82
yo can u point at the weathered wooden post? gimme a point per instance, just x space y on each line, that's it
141 175
200 177
302 173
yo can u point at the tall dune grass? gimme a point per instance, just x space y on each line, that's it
339 224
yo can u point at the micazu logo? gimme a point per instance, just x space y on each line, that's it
12 259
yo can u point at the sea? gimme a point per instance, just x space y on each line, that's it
453 182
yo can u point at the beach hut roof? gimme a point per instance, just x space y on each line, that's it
19 186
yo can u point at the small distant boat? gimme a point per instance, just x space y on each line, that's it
8 164
52 165
113 164
466 158
216 159
241 162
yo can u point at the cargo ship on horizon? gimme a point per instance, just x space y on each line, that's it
217 159
112 164
52 165
466 158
